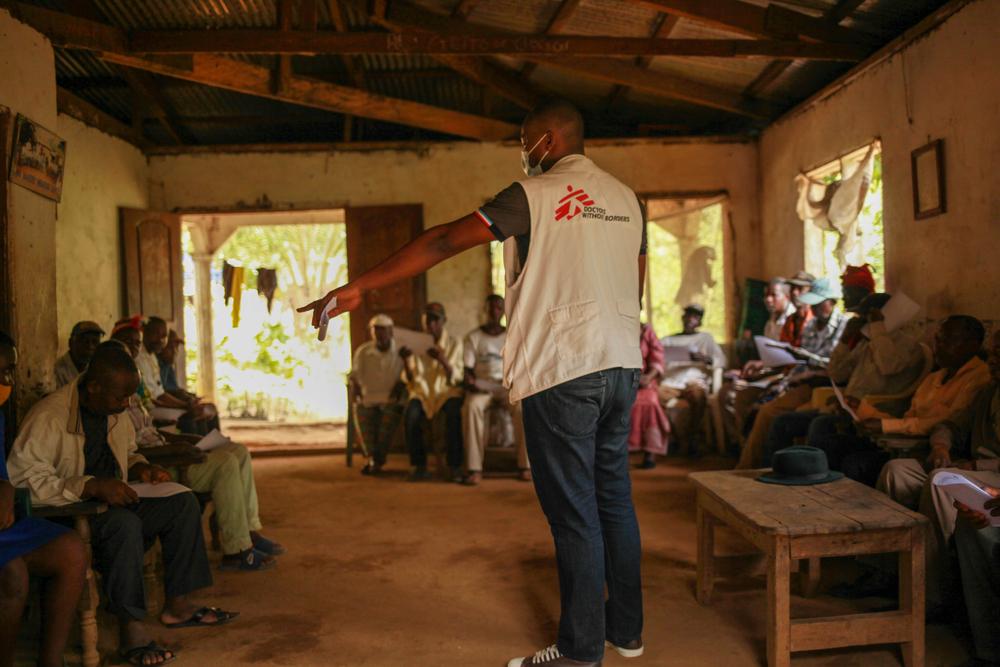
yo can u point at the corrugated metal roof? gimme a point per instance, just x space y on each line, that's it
204 112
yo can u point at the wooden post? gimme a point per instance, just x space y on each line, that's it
779 633
203 306
706 555
911 597
88 600
809 578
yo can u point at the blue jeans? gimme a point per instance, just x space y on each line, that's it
414 422
577 438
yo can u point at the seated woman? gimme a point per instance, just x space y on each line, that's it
650 428
34 547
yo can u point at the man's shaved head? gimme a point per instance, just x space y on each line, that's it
553 129
110 380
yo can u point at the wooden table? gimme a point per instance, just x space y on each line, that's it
790 523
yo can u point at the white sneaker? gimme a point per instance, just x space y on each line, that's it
631 650
550 657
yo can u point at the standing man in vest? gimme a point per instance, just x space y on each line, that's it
575 259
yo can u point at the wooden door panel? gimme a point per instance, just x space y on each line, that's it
373 233
151 258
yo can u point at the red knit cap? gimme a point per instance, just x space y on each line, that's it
134 322
858 276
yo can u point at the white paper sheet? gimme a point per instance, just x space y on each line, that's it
967 492
212 440
676 353
324 318
897 311
840 399
418 341
773 353
161 490
166 414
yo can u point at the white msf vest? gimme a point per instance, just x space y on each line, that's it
573 308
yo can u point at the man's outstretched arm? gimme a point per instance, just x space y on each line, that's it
432 247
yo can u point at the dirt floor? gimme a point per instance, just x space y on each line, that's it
381 572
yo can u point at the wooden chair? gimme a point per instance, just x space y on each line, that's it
80 513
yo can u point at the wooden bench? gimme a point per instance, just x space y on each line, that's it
791 523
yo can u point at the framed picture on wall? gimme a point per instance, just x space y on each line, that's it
38 159
927 165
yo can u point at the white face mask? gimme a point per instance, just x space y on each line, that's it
526 160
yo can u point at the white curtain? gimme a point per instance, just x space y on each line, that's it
835 207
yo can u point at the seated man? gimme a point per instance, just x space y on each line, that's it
83 340
856 282
939 397
226 472
737 396
36 547
483 352
377 391
199 418
798 285
869 360
819 337
74 445
978 544
685 385
968 442
434 382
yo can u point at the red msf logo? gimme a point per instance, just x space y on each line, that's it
572 204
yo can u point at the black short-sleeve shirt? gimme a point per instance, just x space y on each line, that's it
508 215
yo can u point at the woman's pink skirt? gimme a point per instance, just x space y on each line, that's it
650 427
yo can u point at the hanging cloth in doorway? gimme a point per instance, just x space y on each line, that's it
834 207
227 280
237 292
267 283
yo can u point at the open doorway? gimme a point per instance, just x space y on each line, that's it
685 263
244 275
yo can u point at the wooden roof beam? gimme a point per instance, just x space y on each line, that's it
422 41
143 85
251 79
606 69
65 30
665 24
755 21
775 69
85 112
556 25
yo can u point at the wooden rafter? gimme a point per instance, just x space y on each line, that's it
338 16
143 85
614 70
755 21
165 42
556 25
464 8
220 72
249 79
665 24
87 113
776 68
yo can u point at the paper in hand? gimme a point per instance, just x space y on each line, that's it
773 353
676 354
897 311
324 318
967 492
843 403
159 490
212 440
418 342
166 414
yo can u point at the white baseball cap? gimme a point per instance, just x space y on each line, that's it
380 320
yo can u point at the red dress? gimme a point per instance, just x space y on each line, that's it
650 427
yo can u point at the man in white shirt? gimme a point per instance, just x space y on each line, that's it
778 301
483 350
83 341
196 419
376 391
575 261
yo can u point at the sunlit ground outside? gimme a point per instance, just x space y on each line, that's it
271 367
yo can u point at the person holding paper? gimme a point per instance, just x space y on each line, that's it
167 359
483 351
376 390
225 471
83 340
75 445
35 547
690 358
939 397
434 382
575 256
978 543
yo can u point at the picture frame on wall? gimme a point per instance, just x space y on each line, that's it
38 159
927 166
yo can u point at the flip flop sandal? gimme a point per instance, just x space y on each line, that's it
135 656
222 617
250 560
269 547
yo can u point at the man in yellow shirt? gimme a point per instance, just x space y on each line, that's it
434 382
939 397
